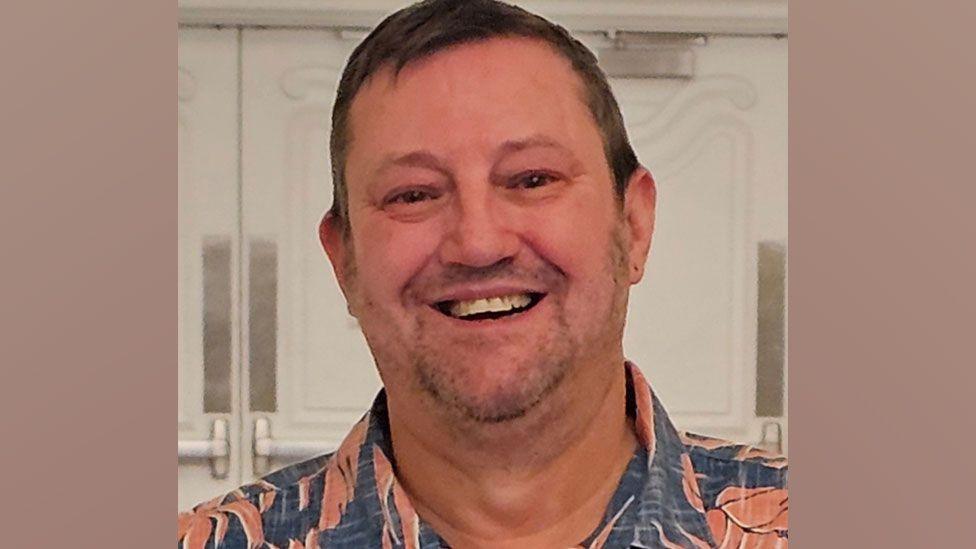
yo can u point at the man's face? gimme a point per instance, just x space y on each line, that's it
487 254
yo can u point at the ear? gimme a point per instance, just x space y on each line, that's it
640 200
334 242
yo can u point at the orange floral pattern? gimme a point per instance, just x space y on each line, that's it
680 490
750 517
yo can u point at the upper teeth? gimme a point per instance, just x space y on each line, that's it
489 305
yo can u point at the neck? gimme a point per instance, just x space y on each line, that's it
541 480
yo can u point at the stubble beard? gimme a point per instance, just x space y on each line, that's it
448 383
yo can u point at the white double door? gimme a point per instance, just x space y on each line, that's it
272 368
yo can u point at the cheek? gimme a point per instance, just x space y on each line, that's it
576 239
390 254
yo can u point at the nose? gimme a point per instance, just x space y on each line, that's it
479 232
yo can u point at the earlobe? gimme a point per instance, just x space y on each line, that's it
639 206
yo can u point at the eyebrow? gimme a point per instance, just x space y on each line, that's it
540 141
531 142
414 159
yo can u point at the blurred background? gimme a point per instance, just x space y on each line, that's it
272 369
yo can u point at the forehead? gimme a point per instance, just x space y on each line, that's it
472 95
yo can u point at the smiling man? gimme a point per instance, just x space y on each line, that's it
489 219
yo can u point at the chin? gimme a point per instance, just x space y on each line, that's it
492 391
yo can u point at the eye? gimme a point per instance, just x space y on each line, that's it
532 180
411 196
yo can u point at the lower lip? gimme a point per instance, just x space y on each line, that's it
504 321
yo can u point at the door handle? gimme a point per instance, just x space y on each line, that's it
266 447
774 442
216 449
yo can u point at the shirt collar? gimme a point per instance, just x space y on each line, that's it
656 503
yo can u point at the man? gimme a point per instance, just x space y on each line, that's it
489 219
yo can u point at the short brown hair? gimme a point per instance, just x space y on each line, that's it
428 27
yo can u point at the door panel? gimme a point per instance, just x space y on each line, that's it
716 146
324 378
207 258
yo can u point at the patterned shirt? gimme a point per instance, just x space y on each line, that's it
679 490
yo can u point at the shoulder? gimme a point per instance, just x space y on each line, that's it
743 489
715 452
279 503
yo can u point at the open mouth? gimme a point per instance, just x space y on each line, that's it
489 308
